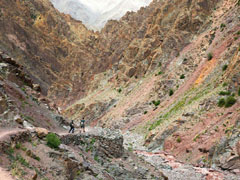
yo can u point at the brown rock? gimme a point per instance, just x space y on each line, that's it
18 119
131 72
41 132
238 148
35 176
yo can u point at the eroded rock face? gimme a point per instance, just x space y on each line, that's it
110 143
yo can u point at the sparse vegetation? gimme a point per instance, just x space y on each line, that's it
221 102
196 137
20 159
159 64
155 124
96 158
182 76
53 141
230 101
210 56
93 141
224 68
171 92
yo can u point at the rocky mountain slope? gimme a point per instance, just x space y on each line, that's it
167 76
95 13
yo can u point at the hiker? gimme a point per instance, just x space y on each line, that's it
71 127
82 125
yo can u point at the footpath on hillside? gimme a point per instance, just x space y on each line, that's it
165 162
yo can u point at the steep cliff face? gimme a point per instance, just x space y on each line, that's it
57 51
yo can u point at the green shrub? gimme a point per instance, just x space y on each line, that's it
230 101
159 64
119 90
210 56
53 141
239 92
145 112
224 68
224 93
225 84
171 92
179 140
18 146
156 103
159 73
222 25
221 102
182 76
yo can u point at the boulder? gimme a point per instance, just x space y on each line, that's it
41 132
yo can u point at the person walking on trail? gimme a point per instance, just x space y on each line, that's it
82 125
71 127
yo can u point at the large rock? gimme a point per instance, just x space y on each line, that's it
18 119
41 132
106 141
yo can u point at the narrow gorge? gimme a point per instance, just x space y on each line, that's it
158 83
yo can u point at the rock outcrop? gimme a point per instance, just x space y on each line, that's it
109 143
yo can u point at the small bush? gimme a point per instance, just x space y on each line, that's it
225 84
179 140
230 101
159 64
53 141
222 26
119 90
20 159
239 92
156 103
18 146
159 73
224 93
171 92
182 76
145 112
221 102
36 158
224 68
210 56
